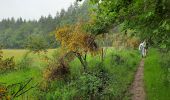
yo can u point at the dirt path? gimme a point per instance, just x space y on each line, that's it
137 89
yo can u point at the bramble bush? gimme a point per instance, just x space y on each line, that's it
56 71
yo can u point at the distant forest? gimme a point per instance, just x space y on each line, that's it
17 33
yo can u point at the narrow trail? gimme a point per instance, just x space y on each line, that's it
137 89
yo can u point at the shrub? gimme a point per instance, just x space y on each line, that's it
7 64
3 92
88 86
93 85
57 70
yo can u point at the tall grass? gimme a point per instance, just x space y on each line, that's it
154 77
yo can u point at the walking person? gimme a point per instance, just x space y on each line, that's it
142 48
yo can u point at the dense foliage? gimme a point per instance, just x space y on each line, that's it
148 18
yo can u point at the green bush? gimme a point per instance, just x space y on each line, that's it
88 86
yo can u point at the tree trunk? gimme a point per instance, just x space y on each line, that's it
82 61
102 56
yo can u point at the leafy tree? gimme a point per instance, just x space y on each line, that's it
36 43
149 18
76 41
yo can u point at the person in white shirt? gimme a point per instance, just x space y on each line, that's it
142 48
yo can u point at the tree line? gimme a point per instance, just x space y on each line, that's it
20 33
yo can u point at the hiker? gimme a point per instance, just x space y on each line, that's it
142 48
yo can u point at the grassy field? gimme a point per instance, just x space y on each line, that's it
120 71
35 70
18 53
157 88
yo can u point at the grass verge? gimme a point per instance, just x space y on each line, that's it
154 77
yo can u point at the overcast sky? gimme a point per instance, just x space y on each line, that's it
31 9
